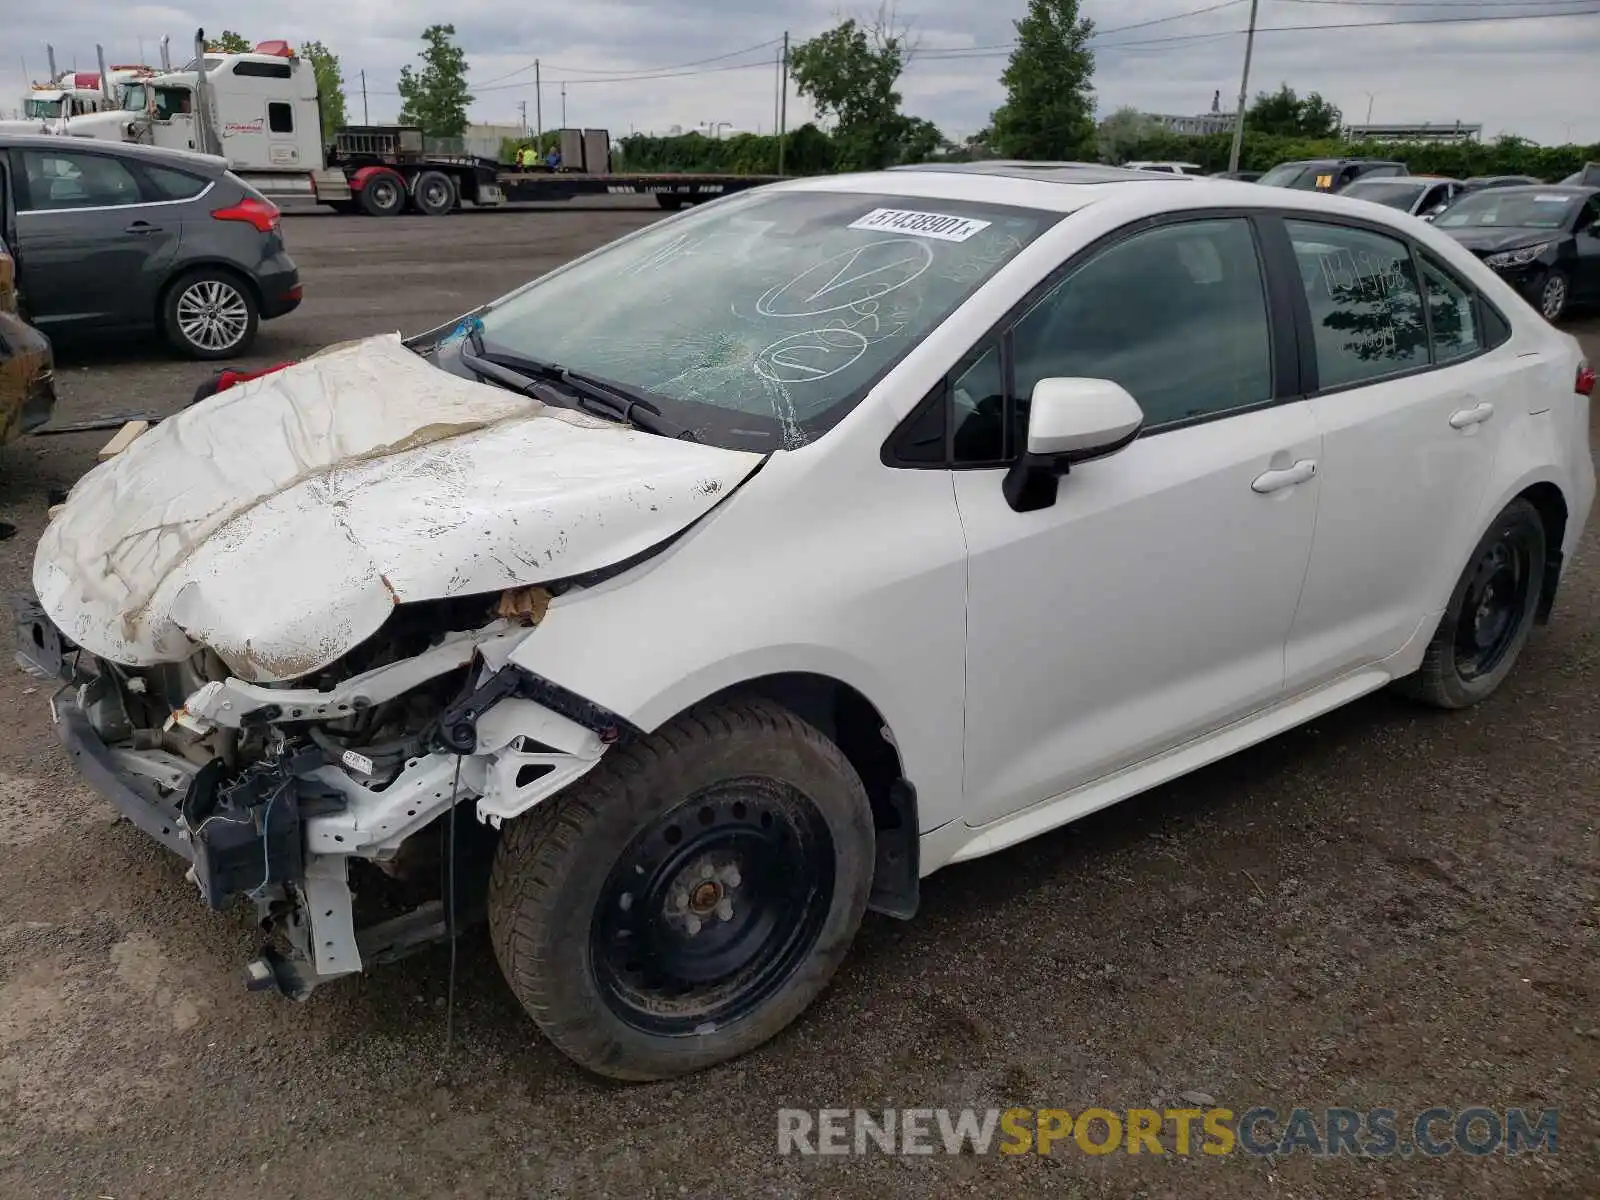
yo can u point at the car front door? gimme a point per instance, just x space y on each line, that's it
1408 440
1586 244
1151 602
93 247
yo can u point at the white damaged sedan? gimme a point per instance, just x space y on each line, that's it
683 605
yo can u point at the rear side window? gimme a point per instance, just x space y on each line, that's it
168 184
67 180
1366 307
280 118
1452 315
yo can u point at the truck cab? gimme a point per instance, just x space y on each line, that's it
47 107
261 115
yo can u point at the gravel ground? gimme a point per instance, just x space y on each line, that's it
1392 907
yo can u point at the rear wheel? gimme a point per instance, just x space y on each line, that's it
383 195
1489 616
433 194
210 314
687 899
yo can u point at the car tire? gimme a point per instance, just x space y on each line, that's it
210 314
433 194
383 194
1554 294
748 827
1490 614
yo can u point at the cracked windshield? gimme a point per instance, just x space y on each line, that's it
760 321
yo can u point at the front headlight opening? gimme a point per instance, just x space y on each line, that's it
1517 258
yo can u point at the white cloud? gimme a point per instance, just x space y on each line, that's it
1531 77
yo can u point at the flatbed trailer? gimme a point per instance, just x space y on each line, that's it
384 171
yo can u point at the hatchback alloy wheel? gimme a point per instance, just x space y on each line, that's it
212 316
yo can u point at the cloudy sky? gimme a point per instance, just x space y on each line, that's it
652 64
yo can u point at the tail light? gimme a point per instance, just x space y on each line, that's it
1584 385
263 214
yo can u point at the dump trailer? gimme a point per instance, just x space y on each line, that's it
260 110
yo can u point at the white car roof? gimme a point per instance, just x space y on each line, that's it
1068 188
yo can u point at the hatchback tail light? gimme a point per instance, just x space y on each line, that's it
263 214
1584 385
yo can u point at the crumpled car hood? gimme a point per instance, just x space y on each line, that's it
281 521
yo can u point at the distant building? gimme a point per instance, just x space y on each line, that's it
1447 132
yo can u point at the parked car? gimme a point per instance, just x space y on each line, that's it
1328 174
1241 176
27 377
113 238
1478 183
1166 168
881 521
1421 196
1544 241
1589 176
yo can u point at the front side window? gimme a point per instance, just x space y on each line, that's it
1366 307
1177 315
760 320
64 181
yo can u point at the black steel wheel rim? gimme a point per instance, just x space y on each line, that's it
1494 605
711 908
385 192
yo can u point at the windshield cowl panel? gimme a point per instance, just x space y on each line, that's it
760 321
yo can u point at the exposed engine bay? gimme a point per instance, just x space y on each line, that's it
271 790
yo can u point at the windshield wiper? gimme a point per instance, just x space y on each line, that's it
613 400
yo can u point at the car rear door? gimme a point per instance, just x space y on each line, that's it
1409 428
1152 601
94 240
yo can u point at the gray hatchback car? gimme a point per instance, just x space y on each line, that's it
113 238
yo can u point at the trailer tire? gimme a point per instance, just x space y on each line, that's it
433 194
383 194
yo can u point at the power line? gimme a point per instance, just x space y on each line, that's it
642 71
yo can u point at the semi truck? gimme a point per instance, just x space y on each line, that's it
48 106
260 110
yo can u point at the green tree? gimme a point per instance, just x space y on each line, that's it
436 97
849 74
1120 134
1283 113
330 85
1049 108
229 43
921 141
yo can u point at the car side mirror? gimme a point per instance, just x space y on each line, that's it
1070 421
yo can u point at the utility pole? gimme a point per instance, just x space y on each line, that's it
538 108
777 73
522 107
783 100
563 106
1244 88
366 117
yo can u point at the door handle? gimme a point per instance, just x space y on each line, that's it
1467 417
142 227
1272 481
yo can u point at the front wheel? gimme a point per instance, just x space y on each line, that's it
1553 296
688 898
1489 616
210 314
